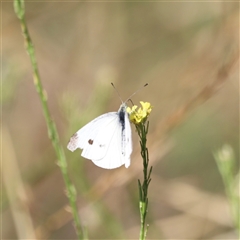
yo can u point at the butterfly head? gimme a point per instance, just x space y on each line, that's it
123 108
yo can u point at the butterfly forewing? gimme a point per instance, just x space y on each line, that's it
90 137
104 133
86 136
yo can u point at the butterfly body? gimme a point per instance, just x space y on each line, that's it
106 140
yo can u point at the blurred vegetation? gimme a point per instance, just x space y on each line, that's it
186 51
227 166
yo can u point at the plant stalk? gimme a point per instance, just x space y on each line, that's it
142 130
51 127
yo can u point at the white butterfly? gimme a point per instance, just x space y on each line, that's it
106 140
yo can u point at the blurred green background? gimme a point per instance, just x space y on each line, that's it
179 48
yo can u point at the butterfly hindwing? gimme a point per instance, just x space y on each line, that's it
113 157
120 145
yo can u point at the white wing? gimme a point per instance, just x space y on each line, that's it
113 157
104 141
91 137
120 146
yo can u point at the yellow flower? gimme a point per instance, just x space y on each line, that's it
140 115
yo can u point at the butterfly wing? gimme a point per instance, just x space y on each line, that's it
113 157
94 137
120 145
106 140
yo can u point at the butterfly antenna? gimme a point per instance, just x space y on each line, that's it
146 84
130 100
117 92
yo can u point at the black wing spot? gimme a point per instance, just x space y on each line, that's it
90 141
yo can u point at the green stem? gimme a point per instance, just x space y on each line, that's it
52 131
142 130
